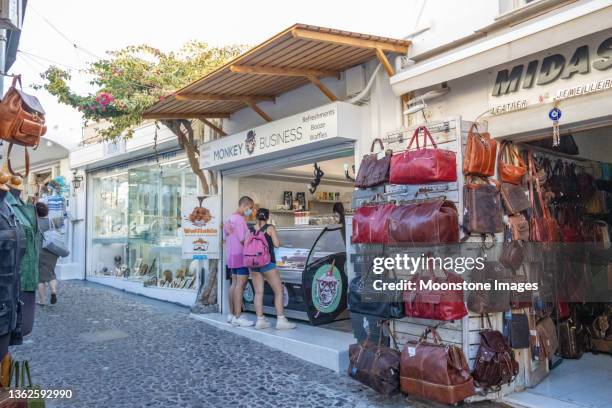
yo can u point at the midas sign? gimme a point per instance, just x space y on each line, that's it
553 67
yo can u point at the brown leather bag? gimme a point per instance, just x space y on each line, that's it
480 153
514 198
542 228
424 222
508 171
519 227
495 364
435 371
482 208
375 365
547 335
512 255
489 301
374 171
22 120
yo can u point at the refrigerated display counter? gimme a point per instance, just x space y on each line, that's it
311 262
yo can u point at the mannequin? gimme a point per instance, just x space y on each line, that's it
8 226
26 215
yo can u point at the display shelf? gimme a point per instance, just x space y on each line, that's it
110 240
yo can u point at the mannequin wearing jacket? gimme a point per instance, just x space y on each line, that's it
9 287
26 215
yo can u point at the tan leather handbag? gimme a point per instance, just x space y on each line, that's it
480 153
510 167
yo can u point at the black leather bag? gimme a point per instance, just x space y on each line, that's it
364 299
517 328
16 338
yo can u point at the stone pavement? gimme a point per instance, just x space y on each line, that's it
114 349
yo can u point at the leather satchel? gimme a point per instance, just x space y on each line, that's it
370 224
512 255
480 153
510 167
482 208
435 304
519 227
542 228
514 198
423 165
547 336
489 301
374 171
435 371
375 365
495 364
425 222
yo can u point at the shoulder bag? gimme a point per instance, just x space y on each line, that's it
374 171
510 167
425 222
543 228
482 208
435 371
54 242
547 335
423 165
519 227
375 365
480 153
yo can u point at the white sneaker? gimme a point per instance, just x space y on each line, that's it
283 324
262 324
241 321
230 317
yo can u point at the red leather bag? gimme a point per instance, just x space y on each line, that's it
435 304
370 224
510 167
423 165
480 153
426 222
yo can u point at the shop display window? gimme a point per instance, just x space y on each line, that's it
137 224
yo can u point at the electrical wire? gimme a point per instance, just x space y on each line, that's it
49 60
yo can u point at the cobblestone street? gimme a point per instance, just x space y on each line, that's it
118 350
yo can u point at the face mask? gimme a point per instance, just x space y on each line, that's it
248 212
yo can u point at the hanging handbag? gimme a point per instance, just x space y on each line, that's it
372 170
482 208
519 227
53 241
423 165
424 222
512 255
435 371
435 304
542 228
517 328
586 185
508 171
567 145
370 224
375 365
489 301
547 335
480 153
514 198
495 364
556 179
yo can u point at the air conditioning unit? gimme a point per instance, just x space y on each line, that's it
10 14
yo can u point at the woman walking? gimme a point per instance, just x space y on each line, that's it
47 260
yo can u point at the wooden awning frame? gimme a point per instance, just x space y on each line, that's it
316 42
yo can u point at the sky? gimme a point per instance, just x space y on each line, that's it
99 26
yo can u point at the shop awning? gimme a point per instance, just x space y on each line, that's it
299 55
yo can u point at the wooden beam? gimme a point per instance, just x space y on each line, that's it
223 97
385 62
212 126
304 34
185 115
282 71
260 112
322 88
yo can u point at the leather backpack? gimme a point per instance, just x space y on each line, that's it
510 167
483 211
22 121
495 364
374 171
480 153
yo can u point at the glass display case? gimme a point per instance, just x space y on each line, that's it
311 261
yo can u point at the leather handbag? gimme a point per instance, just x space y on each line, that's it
364 299
435 371
542 228
495 364
375 365
547 336
482 208
480 153
435 304
512 255
572 341
370 224
517 329
519 227
22 121
425 222
489 301
372 170
514 198
423 165
510 167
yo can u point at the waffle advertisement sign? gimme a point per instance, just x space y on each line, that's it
200 217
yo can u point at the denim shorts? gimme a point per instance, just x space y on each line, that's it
268 267
240 271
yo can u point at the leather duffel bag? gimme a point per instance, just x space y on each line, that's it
370 224
435 304
372 170
425 222
423 165
375 365
435 371
480 153
482 213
